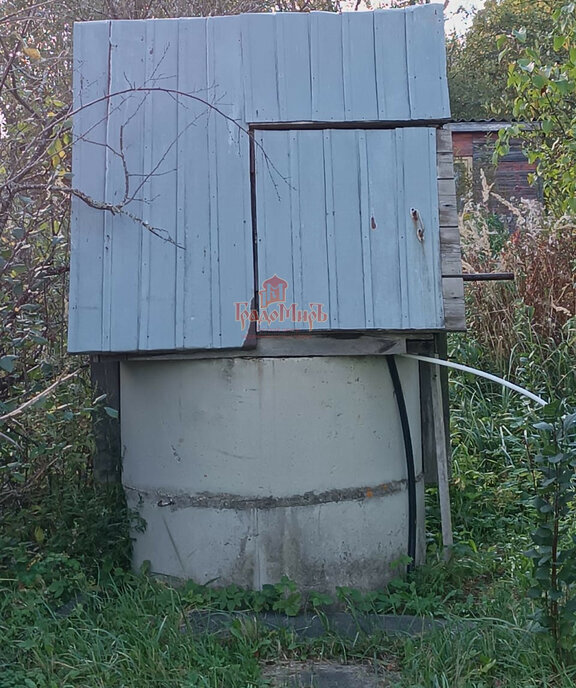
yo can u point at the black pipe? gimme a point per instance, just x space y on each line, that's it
410 469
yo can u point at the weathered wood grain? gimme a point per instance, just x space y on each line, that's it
451 258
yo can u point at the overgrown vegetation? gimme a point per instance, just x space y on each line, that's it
543 79
71 613
477 79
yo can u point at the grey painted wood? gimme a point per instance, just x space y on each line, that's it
386 65
426 60
296 345
293 56
181 167
164 271
126 262
422 277
334 220
88 154
359 67
194 304
391 60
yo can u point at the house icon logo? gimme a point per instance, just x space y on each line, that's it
273 291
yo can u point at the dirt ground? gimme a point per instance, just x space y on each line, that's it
330 675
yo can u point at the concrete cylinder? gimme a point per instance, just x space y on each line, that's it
246 469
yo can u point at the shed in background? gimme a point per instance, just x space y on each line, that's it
473 148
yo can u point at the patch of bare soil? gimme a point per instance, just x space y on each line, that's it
324 674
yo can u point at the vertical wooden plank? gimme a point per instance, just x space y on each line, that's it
193 264
426 62
451 258
391 77
429 458
330 224
383 229
310 223
125 165
326 67
442 464
402 229
91 47
274 227
144 120
259 64
347 229
441 345
291 220
421 276
297 232
294 72
232 267
365 226
360 90
158 331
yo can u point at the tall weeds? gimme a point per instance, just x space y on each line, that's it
525 330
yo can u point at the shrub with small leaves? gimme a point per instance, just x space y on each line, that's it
554 552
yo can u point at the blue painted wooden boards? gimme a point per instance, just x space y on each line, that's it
162 149
387 65
334 221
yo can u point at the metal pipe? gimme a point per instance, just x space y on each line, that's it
484 276
443 484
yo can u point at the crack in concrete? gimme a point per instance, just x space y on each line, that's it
209 500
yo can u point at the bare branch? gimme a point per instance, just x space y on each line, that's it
35 399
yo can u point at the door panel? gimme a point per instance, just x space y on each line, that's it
334 221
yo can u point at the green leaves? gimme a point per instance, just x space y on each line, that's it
544 81
559 42
7 363
554 552
477 63
520 35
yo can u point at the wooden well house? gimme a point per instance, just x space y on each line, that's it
264 216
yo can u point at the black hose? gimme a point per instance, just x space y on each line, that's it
410 470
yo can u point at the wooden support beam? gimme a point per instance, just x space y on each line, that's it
105 374
442 465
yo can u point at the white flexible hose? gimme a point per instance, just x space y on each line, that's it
480 373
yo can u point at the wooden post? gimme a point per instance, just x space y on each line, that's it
442 466
428 372
105 377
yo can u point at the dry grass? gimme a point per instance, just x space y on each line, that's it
541 252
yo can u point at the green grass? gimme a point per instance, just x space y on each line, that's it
71 615
126 634
133 633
